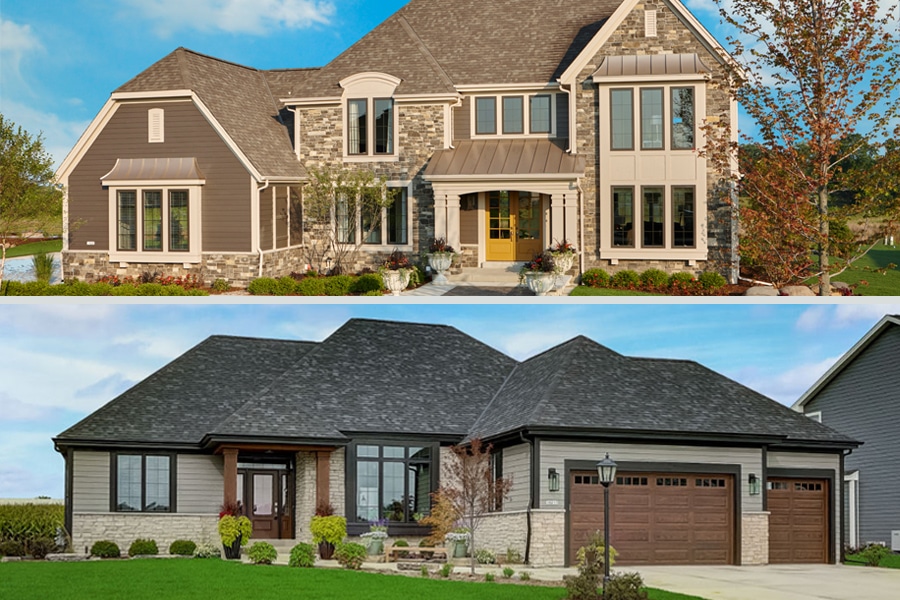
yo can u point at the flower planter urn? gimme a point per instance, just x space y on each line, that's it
375 547
326 550
459 548
395 281
440 263
233 552
564 261
540 283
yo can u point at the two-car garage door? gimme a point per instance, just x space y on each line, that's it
657 518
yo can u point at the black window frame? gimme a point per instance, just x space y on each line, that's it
114 481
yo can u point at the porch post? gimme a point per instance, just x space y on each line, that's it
557 218
231 455
571 218
440 215
323 477
453 220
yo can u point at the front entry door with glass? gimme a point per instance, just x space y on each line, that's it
265 493
514 226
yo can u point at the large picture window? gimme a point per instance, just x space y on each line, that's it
392 481
142 483
678 117
389 227
161 225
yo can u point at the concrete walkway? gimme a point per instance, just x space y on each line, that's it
478 289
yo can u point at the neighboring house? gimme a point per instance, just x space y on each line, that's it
860 397
504 127
365 420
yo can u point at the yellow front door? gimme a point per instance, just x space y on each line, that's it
514 226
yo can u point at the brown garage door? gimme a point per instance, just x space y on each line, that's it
798 520
656 518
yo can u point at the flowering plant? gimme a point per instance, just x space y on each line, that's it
563 247
541 263
396 262
377 530
440 246
457 536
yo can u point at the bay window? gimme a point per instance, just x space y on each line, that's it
161 221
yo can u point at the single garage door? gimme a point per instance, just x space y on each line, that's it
798 520
657 518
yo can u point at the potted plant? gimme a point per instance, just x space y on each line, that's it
378 532
563 254
459 540
234 529
440 257
395 272
327 531
539 274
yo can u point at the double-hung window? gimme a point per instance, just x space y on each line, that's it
392 481
142 482
365 137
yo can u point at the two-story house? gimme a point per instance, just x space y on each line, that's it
504 127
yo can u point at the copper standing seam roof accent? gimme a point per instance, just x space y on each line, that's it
657 64
154 169
504 157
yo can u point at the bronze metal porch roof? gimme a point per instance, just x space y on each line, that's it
657 64
504 158
154 169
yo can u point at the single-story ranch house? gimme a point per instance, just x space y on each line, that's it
710 472
582 123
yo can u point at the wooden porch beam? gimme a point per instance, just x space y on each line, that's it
231 460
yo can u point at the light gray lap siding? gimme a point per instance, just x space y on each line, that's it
863 402
90 481
517 466
200 483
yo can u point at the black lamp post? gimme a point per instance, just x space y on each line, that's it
606 468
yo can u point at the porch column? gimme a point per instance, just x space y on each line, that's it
440 215
571 218
557 218
323 477
231 456
453 221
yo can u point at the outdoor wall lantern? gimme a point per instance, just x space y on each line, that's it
606 468
755 484
553 478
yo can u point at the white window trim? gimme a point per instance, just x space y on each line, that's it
526 116
384 245
369 86
164 255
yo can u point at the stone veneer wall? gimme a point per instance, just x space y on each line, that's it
755 538
548 538
125 528
305 500
673 37
500 531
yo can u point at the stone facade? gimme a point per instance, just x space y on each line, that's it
755 538
548 538
123 529
236 269
501 531
305 500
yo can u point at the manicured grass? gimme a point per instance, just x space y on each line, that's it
33 248
190 579
891 561
584 290
877 284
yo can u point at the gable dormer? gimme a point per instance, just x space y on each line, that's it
370 117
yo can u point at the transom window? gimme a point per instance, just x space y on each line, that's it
142 483
653 117
363 139
529 114
155 220
393 481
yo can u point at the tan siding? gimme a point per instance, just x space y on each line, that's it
90 482
281 222
200 483
516 465
265 218
553 454
468 225
225 197
296 215
462 120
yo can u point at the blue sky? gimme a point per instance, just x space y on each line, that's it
59 61
59 362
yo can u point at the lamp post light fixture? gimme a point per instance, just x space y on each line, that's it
553 479
606 468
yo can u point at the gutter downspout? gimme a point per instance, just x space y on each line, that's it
572 123
457 104
530 502
259 247
580 227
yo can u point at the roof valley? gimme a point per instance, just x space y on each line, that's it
420 44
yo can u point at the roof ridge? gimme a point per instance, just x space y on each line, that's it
184 67
217 59
420 44
256 337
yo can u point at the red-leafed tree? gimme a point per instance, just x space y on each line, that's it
815 73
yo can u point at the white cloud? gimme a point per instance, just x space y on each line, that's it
233 16
817 318
17 39
787 386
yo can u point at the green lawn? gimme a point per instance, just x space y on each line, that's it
877 284
583 290
33 248
891 561
172 579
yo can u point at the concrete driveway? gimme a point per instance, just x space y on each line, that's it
776 582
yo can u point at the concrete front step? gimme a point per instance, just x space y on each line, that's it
500 273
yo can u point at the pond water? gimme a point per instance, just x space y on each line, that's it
22 269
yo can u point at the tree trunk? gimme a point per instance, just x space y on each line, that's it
824 276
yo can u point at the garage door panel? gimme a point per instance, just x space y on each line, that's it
672 518
798 520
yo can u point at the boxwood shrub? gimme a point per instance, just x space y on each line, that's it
80 288
338 285
626 278
302 555
311 286
105 549
655 278
370 282
595 278
143 547
712 280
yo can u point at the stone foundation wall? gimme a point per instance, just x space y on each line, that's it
669 266
123 529
755 538
498 532
548 538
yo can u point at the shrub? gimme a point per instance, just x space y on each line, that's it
264 286
42 263
446 569
626 278
402 544
182 548
508 572
874 554
595 278
232 528
584 585
485 557
488 577
350 555
525 575
302 555
655 278
331 529
624 586
285 286
207 550
424 571
105 549
596 542
143 547
711 280
339 285
370 282
311 286
220 285
681 278
12 548
514 556
262 553
40 547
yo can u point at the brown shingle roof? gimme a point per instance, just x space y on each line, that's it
239 99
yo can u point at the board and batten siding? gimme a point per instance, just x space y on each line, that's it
90 481
517 466
200 483
553 454
863 402
226 197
